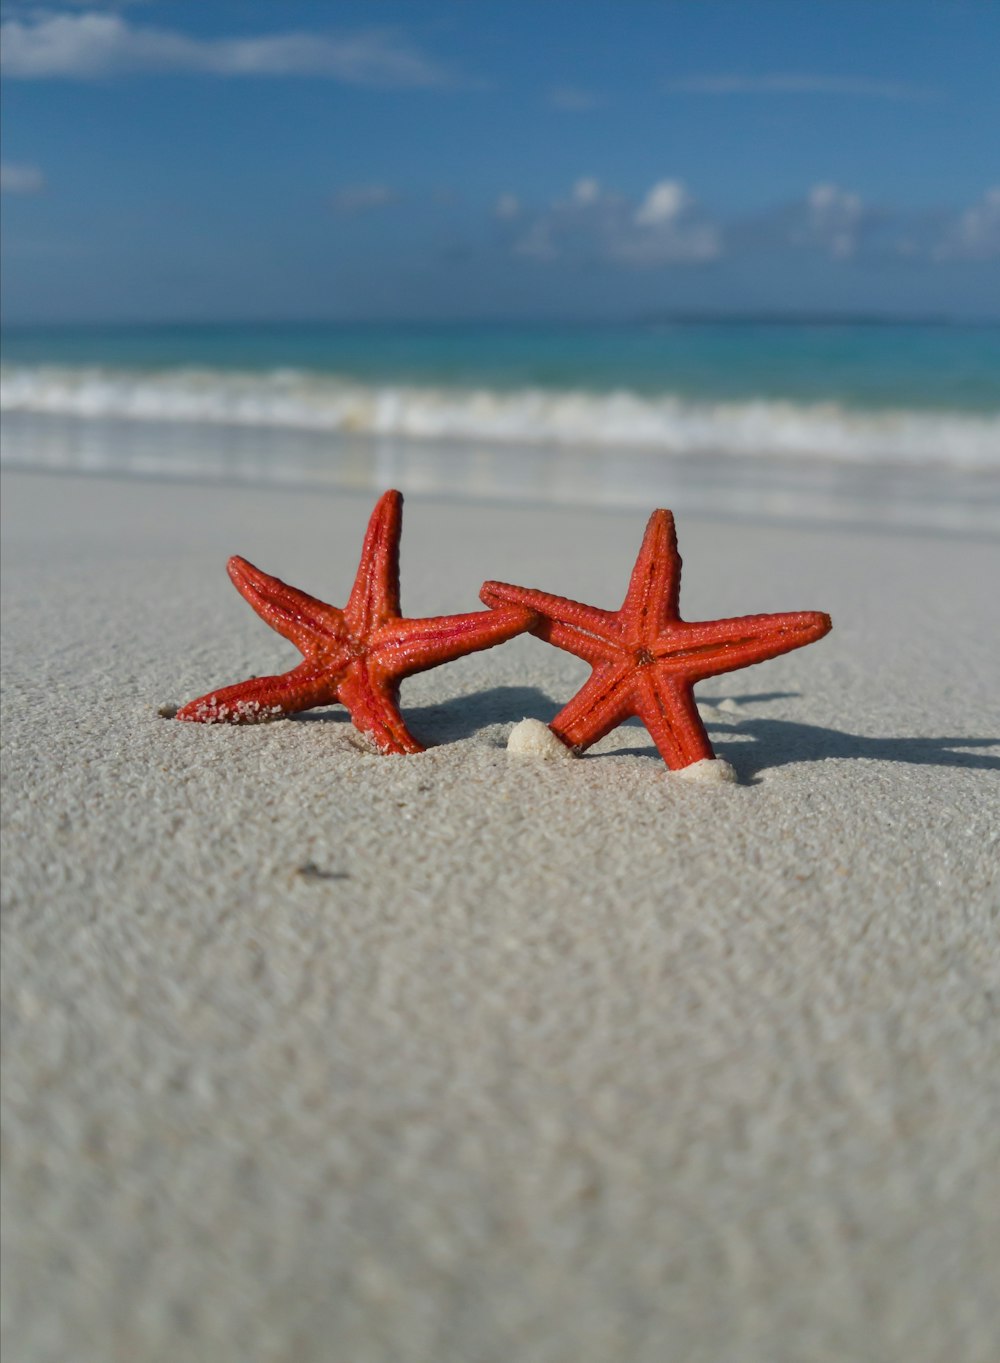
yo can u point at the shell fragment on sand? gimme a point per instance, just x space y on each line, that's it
532 738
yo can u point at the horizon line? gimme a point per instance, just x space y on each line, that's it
681 317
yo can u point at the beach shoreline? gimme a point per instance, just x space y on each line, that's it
313 1053
782 489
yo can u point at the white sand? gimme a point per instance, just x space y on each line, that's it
319 1056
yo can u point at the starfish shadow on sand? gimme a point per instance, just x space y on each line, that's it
782 742
753 745
450 721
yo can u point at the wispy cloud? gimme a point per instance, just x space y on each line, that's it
976 234
571 99
507 206
92 45
799 83
20 179
667 227
353 199
45 8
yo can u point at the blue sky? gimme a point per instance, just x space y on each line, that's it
178 160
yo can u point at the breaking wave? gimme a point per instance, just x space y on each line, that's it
668 424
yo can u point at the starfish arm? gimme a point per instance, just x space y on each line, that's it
654 587
586 631
301 618
699 650
263 698
600 705
402 647
373 703
375 595
667 707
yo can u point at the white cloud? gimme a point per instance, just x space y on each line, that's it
87 46
586 191
830 219
668 228
793 83
571 99
664 203
353 199
20 179
976 234
507 206
665 228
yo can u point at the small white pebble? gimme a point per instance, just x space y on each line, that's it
729 705
710 771
532 738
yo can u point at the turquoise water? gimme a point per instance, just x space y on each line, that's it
918 367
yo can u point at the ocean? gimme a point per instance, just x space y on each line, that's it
885 424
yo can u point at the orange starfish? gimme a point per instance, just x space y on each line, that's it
357 655
646 659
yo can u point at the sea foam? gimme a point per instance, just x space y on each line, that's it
668 424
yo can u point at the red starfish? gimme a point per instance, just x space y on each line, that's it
356 656
646 659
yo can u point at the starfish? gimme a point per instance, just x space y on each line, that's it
645 658
356 656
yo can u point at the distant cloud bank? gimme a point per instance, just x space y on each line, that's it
976 234
668 226
93 45
833 218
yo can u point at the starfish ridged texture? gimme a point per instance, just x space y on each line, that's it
356 656
646 659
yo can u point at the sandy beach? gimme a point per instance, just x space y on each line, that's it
316 1056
